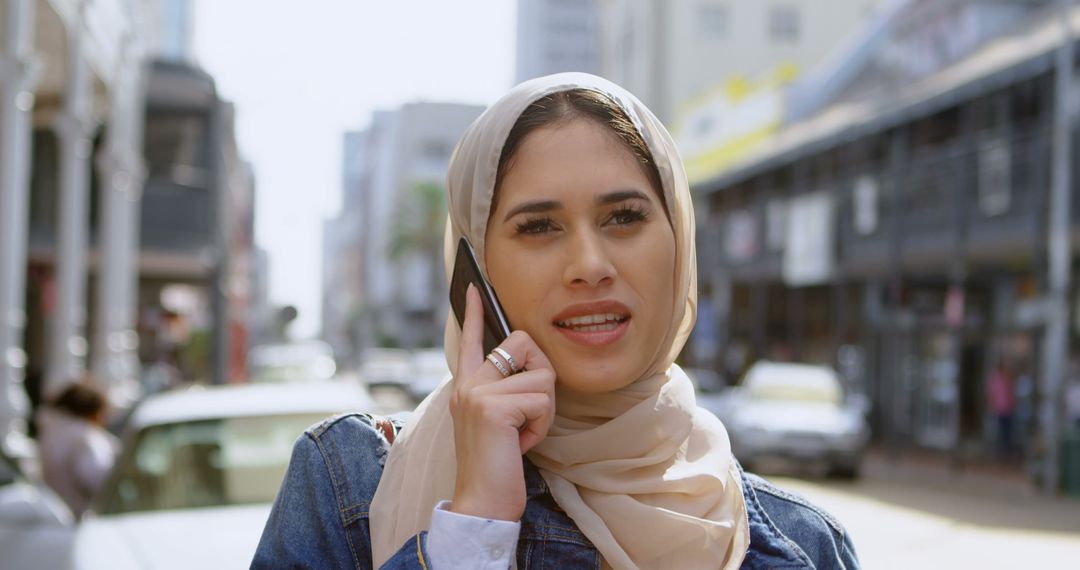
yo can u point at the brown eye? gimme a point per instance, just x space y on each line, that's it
627 215
535 226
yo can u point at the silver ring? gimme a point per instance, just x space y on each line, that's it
509 359
498 364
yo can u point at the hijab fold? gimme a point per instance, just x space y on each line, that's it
645 474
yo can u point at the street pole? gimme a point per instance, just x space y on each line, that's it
75 130
1055 345
18 71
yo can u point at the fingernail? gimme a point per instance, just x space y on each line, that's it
470 287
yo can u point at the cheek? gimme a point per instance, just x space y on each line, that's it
654 260
520 287
655 275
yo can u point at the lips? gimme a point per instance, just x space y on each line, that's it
594 324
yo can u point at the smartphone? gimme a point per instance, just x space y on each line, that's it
467 270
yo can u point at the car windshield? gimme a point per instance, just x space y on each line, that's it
291 362
205 463
801 384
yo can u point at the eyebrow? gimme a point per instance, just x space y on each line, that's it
548 205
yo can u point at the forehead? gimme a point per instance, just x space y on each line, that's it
579 155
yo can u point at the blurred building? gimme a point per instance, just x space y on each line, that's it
260 313
82 188
197 229
895 225
71 107
343 250
555 36
384 278
669 51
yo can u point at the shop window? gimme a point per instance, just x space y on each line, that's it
176 148
741 239
435 149
44 185
865 202
995 177
713 21
775 224
785 23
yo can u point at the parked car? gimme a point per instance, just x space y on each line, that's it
706 381
36 527
429 370
307 361
199 471
794 411
386 367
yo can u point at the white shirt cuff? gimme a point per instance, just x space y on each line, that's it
462 541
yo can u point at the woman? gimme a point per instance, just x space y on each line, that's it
77 452
576 443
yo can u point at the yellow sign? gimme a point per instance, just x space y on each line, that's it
722 125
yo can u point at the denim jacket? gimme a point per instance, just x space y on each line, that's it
321 516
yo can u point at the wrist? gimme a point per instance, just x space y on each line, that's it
464 505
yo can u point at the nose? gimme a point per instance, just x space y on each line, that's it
588 262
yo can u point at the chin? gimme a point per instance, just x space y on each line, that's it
597 382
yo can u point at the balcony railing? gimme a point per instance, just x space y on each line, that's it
981 197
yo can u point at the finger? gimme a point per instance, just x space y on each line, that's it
471 351
519 411
538 411
531 381
527 354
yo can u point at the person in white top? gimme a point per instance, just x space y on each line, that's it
77 452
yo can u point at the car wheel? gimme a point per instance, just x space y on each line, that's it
845 471
747 465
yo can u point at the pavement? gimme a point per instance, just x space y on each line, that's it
915 511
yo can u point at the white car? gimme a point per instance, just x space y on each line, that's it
199 471
429 370
794 411
386 367
36 527
307 361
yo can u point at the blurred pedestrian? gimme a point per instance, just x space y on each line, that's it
1001 401
1072 403
162 374
577 442
77 452
1024 391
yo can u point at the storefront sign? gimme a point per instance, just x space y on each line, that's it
808 253
716 129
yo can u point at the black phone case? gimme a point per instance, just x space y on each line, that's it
467 270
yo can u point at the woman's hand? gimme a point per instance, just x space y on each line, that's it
496 419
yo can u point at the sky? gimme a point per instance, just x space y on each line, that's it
300 74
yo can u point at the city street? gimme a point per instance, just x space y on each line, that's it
904 516
899 523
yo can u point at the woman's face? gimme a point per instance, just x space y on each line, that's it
582 256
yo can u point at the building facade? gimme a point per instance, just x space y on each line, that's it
197 229
554 36
669 51
383 254
898 229
111 184
73 72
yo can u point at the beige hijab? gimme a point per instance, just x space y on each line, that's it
646 475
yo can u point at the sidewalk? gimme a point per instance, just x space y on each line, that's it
916 513
978 477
